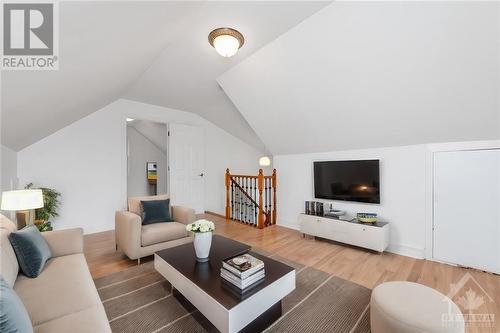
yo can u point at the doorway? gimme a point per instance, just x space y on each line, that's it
147 158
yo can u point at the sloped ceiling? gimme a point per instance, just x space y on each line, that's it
156 133
375 74
104 47
184 74
155 52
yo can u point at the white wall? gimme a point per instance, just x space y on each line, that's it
8 171
406 184
87 161
403 191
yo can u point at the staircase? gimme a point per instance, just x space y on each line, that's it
251 199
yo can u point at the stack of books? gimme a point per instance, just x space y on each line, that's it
243 271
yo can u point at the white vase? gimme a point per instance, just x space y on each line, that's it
202 243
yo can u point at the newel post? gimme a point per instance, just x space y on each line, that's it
228 184
260 186
273 179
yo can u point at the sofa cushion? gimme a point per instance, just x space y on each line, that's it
6 223
32 250
9 268
13 315
91 320
134 203
162 232
156 211
65 286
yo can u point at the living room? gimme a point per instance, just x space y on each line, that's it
346 154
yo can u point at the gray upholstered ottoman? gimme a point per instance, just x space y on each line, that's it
407 307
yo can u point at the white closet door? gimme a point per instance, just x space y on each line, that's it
467 208
186 164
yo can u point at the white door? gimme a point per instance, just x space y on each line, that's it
467 208
186 161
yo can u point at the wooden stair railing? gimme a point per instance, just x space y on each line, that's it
251 199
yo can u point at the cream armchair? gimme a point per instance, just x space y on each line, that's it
138 240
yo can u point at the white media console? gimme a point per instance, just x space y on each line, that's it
370 236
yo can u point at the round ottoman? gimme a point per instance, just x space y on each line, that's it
407 307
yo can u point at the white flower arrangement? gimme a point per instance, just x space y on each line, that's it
201 226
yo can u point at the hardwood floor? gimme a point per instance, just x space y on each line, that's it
365 268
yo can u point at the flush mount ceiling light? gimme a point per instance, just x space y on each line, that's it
226 41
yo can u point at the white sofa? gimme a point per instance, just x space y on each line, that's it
63 298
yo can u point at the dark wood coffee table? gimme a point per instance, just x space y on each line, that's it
221 304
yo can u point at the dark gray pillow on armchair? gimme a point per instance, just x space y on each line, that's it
156 211
32 250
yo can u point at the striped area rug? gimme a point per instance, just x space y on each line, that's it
140 300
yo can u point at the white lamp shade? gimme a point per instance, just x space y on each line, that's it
226 45
22 200
264 161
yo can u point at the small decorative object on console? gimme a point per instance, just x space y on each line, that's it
314 208
335 213
319 209
367 217
202 238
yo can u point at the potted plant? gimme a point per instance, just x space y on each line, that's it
202 238
49 210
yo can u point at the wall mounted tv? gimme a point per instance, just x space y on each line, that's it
347 180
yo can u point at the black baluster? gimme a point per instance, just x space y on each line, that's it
245 203
253 197
255 191
265 196
235 202
241 204
249 200
269 194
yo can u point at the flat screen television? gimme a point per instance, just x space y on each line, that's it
347 180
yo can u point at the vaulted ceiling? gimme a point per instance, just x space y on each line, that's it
312 76
150 51
375 74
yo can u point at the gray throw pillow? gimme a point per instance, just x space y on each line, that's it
32 250
13 315
156 211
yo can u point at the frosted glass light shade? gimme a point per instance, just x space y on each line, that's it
22 200
226 45
226 41
264 161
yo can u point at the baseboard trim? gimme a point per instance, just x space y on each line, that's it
280 223
406 251
216 214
